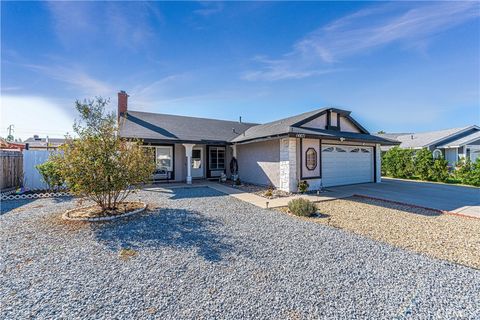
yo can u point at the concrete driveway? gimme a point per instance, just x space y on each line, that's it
456 199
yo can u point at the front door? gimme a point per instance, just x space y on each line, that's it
197 163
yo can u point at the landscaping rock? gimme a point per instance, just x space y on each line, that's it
201 254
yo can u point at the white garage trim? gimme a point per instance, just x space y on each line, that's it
347 164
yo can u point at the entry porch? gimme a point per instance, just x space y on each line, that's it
185 162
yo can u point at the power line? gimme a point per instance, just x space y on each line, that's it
10 129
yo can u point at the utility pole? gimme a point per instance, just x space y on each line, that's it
10 130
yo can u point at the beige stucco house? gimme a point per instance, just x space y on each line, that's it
326 147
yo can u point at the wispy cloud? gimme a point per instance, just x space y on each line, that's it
12 88
125 24
209 8
363 31
76 77
285 68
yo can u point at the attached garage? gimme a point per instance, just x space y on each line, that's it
343 164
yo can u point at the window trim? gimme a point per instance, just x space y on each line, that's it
171 150
154 146
306 159
217 149
436 151
319 161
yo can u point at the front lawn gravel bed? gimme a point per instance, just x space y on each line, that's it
199 254
442 236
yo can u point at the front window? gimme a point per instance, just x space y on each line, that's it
217 158
163 158
311 159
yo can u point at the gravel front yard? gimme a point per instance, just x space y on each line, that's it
200 254
448 237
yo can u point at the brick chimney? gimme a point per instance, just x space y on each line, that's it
122 103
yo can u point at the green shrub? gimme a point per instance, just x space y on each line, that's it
302 207
51 174
468 172
268 193
439 170
303 186
398 163
423 162
475 174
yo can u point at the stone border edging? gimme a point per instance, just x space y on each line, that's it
66 216
416 206
35 195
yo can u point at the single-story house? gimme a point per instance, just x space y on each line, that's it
37 143
452 144
326 147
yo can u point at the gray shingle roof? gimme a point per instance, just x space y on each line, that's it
462 141
273 128
155 126
423 139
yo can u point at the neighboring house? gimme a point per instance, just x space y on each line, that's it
326 147
37 143
11 146
453 144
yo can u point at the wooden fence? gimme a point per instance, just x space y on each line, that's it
11 163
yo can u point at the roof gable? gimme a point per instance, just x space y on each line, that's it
431 138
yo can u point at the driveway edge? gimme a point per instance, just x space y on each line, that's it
416 206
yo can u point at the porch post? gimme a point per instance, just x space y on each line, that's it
188 153
234 150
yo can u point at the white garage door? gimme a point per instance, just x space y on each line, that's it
346 165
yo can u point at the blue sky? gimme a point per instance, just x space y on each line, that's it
398 66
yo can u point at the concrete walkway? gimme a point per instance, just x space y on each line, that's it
251 197
273 203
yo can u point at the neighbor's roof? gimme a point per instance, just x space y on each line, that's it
155 126
462 141
42 142
424 139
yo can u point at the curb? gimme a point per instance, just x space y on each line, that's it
66 216
416 206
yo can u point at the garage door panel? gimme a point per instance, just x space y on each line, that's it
353 166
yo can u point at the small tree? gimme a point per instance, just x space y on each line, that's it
423 163
99 164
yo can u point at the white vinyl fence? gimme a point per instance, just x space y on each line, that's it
32 180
